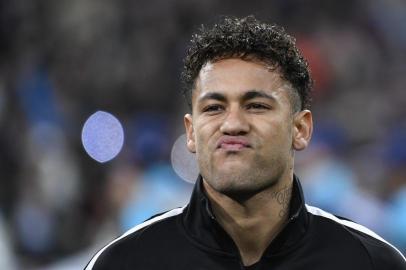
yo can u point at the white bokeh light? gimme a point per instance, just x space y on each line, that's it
184 162
102 136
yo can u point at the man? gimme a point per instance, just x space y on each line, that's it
249 91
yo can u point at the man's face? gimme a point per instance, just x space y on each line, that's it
242 128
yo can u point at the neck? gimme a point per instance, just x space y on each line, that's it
253 223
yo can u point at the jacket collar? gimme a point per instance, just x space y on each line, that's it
203 229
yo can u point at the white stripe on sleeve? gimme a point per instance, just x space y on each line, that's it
168 214
319 212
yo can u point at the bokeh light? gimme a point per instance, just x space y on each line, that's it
184 162
102 136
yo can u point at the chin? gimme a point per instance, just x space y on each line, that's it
235 184
240 192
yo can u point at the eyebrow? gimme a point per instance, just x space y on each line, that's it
251 94
212 95
256 94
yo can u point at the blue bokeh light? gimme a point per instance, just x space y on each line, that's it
102 136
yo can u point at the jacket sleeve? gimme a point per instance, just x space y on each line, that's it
107 258
386 256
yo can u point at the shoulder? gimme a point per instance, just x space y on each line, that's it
114 253
381 253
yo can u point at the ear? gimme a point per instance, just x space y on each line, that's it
302 129
190 133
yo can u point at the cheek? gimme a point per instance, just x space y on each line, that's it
204 136
275 134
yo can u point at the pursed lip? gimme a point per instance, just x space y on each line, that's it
233 143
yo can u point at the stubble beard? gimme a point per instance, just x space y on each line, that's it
241 183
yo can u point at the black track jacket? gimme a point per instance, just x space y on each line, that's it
190 238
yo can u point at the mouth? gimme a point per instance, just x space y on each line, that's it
233 143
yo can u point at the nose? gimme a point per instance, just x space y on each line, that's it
235 123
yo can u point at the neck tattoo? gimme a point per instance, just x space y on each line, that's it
282 197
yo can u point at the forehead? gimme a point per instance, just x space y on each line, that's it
234 76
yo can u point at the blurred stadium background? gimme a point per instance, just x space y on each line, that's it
60 61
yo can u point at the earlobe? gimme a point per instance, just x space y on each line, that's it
303 129
190 134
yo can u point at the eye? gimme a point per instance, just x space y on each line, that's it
258 107
213 108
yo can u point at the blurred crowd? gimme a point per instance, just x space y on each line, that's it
60 61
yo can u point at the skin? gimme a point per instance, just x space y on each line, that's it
244 132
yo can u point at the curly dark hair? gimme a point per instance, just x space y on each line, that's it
248 38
